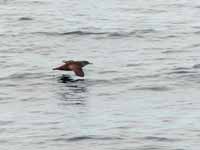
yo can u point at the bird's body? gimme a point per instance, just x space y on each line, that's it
75 66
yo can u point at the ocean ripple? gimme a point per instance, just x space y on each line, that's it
106 34
160 139
25 19
81 138
152 88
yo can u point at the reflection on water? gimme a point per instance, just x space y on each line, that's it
73 91
68 78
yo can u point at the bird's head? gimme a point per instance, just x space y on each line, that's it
84 63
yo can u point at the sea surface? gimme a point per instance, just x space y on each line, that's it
142 91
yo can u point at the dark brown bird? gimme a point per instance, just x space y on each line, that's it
75 66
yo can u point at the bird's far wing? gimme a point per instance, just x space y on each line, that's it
65 61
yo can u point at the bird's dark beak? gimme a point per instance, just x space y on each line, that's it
55 69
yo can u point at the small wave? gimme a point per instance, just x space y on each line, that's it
194 46
137 33
120 34
197 66
83 138
105 94
24 76
196 27
117 34
198 6
148 76
152 88
108 71
72 104
153 11
173 51
83 33
182 72
160 139
106 34
46 123
168 37
197 32
4 141
181 68
79 33
6 122
134 65
25 19
79 138
120 80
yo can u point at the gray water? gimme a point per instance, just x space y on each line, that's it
141 93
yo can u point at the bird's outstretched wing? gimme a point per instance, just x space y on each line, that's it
77 69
